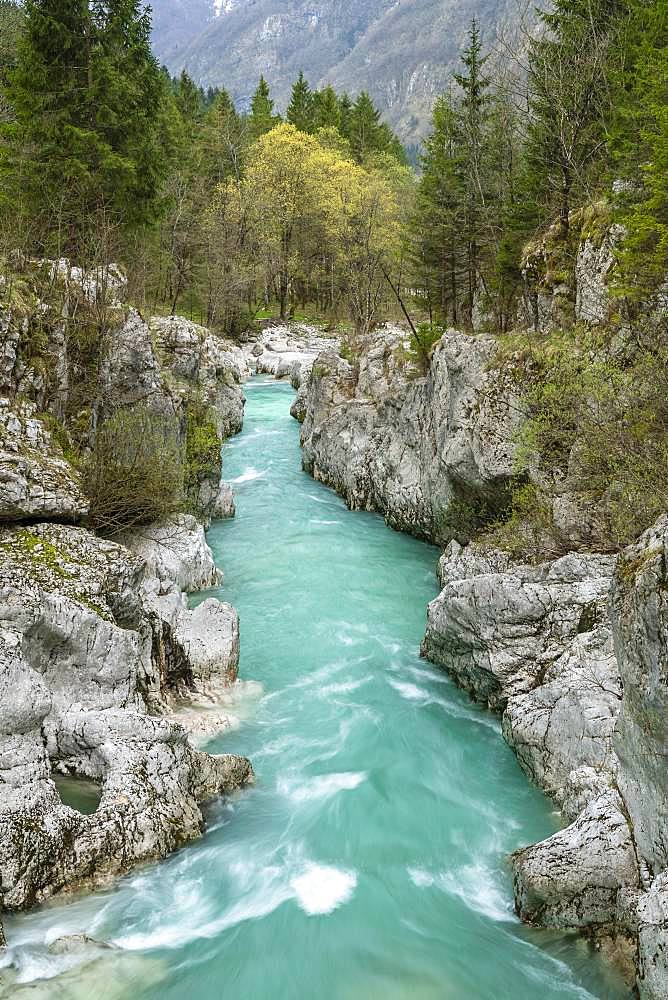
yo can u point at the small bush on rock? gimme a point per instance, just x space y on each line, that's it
203 445
135 474
597 430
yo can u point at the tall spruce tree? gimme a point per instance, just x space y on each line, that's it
327 109
366 131
438 249
262 118
300 112
223 141
473 121
638 147
345 115
189 98
86 94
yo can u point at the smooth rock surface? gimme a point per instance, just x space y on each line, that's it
411 447
77 663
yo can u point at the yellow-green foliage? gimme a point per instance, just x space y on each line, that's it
308 217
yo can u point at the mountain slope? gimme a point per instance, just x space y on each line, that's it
402 51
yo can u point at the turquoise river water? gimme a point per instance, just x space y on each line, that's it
368 862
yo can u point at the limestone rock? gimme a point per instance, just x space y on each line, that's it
652 924
36 481
574 652
572 879
568 721
196 359
413 448
175 554
593 267
78 660
224 506
640 624
500 632
283 350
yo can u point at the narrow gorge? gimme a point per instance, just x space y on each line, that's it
333 500
376 835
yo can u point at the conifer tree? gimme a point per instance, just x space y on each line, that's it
638 145
11 25
262 118
86 93
189 98
327 109
345 115
366 131
300 111
473 119
439 251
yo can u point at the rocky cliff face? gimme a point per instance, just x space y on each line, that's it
98 650
83 655
418 449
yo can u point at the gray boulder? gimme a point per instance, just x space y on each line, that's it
499 628
414 448
36 481
224 507
80 654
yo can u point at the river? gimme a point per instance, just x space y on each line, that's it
369 860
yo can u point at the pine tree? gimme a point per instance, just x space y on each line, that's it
438 251
262 118
300 111
327 109
638 145
366 131
48 92
189 98
473 119
345 115
86 94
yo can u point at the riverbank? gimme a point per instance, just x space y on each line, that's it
98 652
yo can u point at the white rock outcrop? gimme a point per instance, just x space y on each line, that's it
283 351
409 446
574 653
103 666
36 481
83 654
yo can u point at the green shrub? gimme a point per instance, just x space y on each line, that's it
597 426
422 342
526 530
203 445
468 514
135 473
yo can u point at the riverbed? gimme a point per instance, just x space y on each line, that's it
369 859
